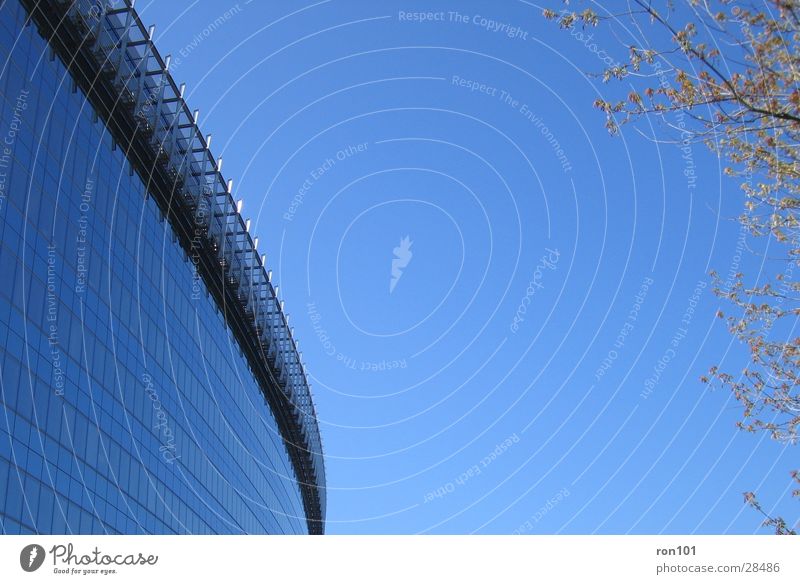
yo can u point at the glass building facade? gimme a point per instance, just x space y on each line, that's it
134 399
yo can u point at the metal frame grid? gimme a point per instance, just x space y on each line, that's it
126 60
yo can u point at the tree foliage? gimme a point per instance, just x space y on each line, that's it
734 71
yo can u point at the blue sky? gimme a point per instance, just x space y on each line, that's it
534 368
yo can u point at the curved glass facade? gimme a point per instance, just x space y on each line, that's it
128 405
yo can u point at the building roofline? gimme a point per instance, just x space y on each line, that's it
111 56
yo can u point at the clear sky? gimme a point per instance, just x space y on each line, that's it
529 358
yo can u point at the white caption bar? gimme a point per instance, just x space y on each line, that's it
371 559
